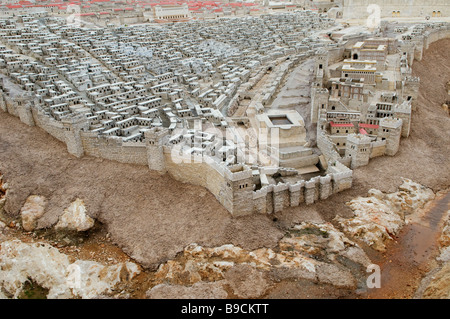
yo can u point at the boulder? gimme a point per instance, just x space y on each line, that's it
75 218
32 210
331 274
247 282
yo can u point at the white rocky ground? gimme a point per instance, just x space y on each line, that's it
444 240
380 216
308 251
46 266
317 252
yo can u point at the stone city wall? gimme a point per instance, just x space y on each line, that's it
377 149
53 127
267 200
435 35
113 148
327 147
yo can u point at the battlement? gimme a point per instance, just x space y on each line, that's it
357 138
297 186
280 187
238 172
392 123
325 179
262 192
412 79
321 91
311 183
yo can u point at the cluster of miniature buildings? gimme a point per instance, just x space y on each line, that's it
194 98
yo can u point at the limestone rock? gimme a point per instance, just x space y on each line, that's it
322 241
356 255
199 290
374 221
376 193
75 217
210 264
2 203
444 255
331 274
444 240
97 279
300 252
379 217
45 265
32 210
409 197
439 287
246 281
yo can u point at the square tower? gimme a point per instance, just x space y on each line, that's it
390 130
358 149
155 139
237 195
319 103
73 125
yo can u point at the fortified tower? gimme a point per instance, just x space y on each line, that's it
408 49
73 125
321 66
403 111
411 89
155 139
2 96
358 149
319 103
24 103
238 193
390 130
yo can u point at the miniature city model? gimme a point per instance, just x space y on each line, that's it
202 99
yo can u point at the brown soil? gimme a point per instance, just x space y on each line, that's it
153 217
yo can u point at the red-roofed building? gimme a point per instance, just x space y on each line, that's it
342 128
365 125
369 128
14 6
